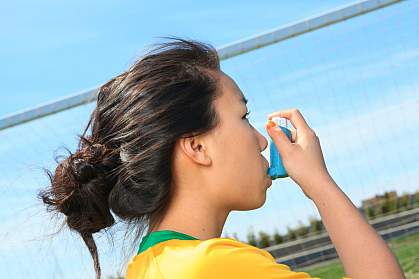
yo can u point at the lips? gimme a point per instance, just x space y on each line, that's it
270 181
266 165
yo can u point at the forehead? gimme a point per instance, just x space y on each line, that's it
231 92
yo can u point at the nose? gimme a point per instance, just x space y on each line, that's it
263 142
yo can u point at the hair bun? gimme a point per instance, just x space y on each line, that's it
85 161
81 187
84 171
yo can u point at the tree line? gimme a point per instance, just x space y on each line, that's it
376 207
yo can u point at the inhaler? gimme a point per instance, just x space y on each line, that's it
276 168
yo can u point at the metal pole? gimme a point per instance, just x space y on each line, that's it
236 48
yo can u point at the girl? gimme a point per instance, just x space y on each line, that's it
171 151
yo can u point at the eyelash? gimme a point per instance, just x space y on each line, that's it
247 114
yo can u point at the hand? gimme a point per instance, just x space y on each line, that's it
302 157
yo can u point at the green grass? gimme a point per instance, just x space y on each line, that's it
405 248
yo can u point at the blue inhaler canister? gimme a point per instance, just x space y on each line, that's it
276 168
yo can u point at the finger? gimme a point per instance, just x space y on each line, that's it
293 134
294 115
282 142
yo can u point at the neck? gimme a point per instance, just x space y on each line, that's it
195 217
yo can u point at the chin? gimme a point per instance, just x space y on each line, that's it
261 196
262 202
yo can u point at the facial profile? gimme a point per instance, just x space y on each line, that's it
229 158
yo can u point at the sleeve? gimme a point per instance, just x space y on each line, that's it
245 261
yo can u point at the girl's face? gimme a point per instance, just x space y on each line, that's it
240 172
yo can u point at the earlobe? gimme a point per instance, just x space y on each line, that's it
195 149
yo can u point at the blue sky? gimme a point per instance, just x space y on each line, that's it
54 49
355 82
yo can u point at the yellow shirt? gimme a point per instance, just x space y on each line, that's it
216 258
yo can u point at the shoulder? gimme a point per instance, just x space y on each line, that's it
227 247
229 258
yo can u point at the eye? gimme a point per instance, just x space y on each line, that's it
245 116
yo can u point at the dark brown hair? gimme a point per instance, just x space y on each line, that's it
124 165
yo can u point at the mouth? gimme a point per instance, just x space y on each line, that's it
266 171
266 164
270 181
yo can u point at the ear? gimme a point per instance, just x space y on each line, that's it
195 149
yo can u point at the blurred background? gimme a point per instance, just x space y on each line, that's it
350 67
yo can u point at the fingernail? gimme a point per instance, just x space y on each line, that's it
271 123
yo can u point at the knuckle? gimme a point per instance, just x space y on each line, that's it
311 132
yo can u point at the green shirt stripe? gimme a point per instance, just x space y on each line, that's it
160 236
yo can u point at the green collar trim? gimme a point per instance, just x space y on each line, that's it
160 236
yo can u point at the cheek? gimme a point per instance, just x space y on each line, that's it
244 147
238 175
237 158
242 164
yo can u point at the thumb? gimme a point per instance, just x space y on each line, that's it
282 142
